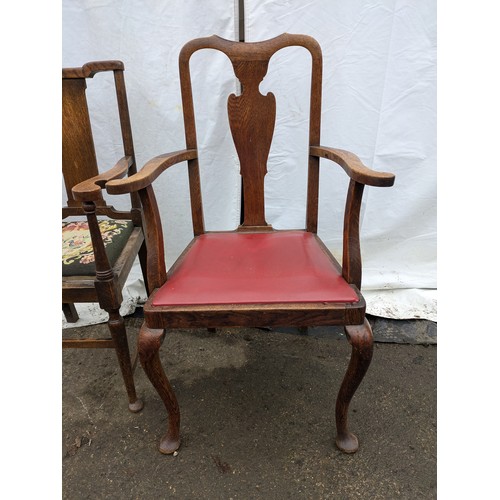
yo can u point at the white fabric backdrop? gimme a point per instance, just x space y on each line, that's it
378 101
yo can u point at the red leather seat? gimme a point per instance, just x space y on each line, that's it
254 268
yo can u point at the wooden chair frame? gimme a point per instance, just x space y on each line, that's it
79 165
251 119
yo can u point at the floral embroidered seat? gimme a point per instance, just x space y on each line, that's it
77 252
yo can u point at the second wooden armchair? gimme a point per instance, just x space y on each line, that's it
255 275
98 253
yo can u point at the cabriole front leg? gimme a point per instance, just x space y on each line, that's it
150 341
361 339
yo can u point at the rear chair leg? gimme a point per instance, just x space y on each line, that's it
118 331
150 341
361 339
70 313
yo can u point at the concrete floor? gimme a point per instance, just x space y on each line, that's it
257 411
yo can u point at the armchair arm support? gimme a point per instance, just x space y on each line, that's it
90 189
360 175
351 252
353 166
149 172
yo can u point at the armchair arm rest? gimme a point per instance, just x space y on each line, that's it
353 166
149 172
90 189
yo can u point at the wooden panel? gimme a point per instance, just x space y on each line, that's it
78 153
255 315
88 343
77 289
251 118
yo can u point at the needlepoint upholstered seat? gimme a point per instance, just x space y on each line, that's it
254 276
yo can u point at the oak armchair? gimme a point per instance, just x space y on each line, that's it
254 276
98 251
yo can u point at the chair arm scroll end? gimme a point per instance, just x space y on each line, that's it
149 172
90 190
354 167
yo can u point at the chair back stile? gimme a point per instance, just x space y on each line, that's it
126 129
252 119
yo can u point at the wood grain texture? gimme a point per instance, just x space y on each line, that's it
91 189
78 152
150 341
351 255
251 119
88 70
88 343
126 129
354 167
156 267
361 339
312 195
118 331
149 172
255 315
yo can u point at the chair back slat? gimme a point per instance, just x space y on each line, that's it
79 161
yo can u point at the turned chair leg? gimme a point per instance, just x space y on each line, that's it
118 331
150 341
361 339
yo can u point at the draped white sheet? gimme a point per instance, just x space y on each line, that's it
378 102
